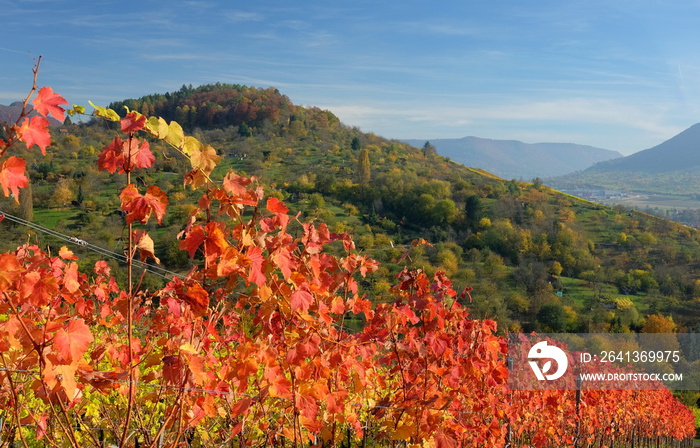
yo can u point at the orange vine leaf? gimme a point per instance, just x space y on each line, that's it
10 270
35 131
276 206
72 341
205 159
144 244
12 176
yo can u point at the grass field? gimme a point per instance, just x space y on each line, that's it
51 218
578 292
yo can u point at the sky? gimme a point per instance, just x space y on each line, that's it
620 75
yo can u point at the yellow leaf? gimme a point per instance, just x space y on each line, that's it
176 136
188 348
107 114
191 145
205 159
157 127
403 432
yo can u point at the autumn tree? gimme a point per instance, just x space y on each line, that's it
26 203
657 323
62 194
364 173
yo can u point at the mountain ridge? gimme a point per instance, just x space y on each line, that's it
679 153
514 159
671 167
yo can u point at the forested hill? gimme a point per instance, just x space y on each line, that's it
536 259
215 106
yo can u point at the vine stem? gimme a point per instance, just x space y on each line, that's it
129 316
12 130
16 405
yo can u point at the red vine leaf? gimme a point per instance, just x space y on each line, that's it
125 155
111 156
133 122
235 184
193 240
301 300
39 290
41 426
241 406
257 260
197 298
139 152
48 102
70 279
66 254
213 238
444 440
172 369
139 208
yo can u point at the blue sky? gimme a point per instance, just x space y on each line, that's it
621 75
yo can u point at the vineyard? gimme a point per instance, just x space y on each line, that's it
251 347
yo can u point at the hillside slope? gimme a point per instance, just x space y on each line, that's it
536 259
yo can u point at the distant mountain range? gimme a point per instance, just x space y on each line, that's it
680 153
512 159
9 114
671 167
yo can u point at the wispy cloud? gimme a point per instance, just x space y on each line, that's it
588 69
524 119
446 29
13 51
243 16
176 57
